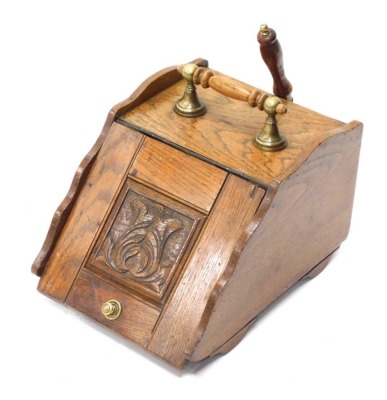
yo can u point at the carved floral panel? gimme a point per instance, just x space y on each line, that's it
145 242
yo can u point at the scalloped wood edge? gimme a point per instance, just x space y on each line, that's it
151 86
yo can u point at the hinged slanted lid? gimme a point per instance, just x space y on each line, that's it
224 135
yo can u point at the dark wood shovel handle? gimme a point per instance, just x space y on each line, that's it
272 55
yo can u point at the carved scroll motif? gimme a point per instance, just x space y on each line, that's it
145 241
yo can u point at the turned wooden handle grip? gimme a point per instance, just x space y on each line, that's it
272 55
228 86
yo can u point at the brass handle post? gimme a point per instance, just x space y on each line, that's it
269 139
189 105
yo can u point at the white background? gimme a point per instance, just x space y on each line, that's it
63 65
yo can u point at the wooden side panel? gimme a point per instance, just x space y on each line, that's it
184 176
307 220
89 211
136 320
151 86
174 335
59 219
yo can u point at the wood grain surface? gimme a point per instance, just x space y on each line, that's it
175 335
225 133
185 177
136 320
308 218
151 86
89 211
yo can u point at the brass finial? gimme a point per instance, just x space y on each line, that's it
264 29
189 105
270 139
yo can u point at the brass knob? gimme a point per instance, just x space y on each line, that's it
264 29
111 309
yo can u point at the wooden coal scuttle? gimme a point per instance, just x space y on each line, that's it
193 211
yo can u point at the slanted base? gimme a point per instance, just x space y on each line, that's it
236 339
319 267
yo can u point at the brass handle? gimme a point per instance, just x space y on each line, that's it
269 139
111 309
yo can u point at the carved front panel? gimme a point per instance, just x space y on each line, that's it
145 241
